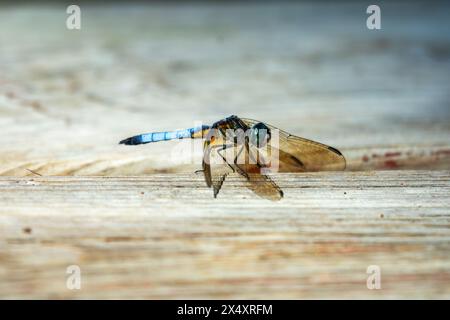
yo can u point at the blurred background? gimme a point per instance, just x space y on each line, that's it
311 68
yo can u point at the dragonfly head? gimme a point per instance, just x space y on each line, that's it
259 135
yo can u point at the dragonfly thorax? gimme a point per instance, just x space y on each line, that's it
259 135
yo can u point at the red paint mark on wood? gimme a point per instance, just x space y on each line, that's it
444 152
365 158
390 164
392 154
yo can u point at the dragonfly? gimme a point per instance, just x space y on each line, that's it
253 149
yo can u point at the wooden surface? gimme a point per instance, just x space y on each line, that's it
68 97
164 236
137 220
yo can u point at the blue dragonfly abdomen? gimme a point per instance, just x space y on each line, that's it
195 132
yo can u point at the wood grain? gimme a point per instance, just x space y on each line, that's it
315 243
141 225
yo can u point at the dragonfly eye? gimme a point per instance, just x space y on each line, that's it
259 135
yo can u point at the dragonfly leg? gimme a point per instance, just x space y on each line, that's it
242 172
239 169
222 148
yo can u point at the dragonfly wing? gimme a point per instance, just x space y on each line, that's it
264 186
245 160
296 154
259 183
312 156
215 168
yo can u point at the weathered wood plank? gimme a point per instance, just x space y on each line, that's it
315 243
67 98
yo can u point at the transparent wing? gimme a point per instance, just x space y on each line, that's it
296 154
259 183
215 168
